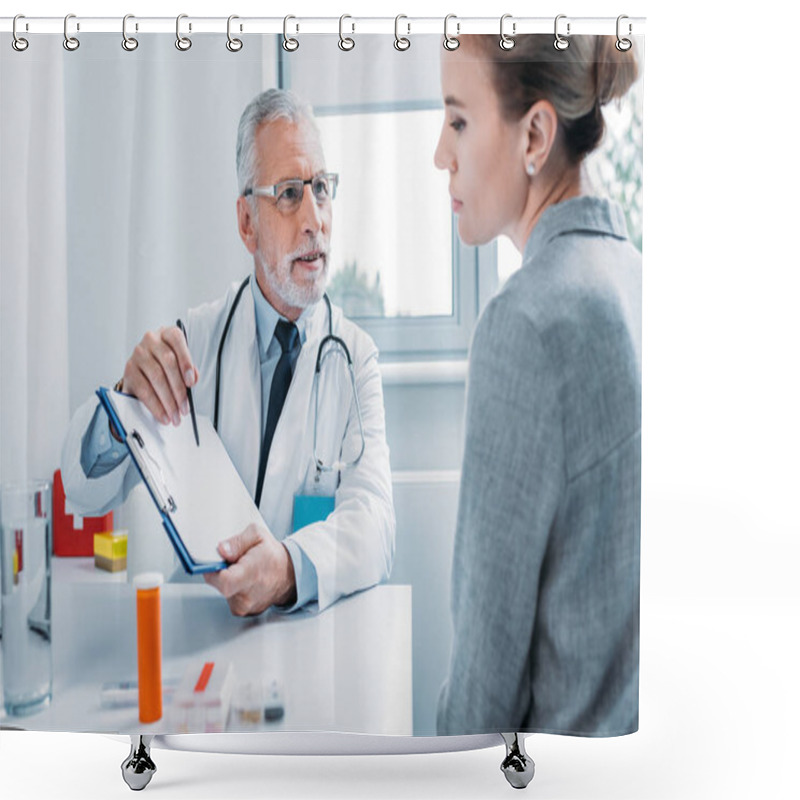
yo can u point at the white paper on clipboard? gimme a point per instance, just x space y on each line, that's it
197 487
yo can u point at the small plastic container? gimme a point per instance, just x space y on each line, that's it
255 703
203 699
247 707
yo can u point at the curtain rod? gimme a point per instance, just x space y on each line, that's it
299 25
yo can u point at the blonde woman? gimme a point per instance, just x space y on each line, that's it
545 595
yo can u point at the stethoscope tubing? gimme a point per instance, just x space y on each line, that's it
322 353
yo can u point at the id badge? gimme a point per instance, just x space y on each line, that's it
310 508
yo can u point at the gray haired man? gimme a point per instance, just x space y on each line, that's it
249 358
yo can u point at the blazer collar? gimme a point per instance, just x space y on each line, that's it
579 214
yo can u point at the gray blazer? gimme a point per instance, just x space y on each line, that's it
545 595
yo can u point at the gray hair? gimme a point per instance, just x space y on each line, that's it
269 106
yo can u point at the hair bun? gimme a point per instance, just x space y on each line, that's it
616 70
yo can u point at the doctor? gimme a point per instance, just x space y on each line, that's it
250 361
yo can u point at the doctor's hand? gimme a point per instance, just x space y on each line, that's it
260 572
158 372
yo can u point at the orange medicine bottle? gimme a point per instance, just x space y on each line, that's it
148 630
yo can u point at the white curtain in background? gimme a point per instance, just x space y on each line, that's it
151 182
118 191
34 371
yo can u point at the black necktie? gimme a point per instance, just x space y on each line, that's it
289 338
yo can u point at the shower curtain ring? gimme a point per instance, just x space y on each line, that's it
451 42
289 44
401 42
560 42
345 42
233 44
129 43
70 42
506 41
623 45
183 43
18 43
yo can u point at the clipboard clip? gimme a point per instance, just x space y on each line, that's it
146 463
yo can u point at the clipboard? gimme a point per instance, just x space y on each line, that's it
197 491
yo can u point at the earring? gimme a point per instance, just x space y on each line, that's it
530 169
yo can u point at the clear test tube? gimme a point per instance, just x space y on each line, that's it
148 634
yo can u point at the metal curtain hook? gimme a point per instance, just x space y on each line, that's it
70 42
182 42
451 42
623 45
289 44
345 42
507 42
400 42
233 44
18 43
128 42
560 42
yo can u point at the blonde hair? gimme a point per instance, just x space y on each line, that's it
578 81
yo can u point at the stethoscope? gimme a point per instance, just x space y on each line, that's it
334 345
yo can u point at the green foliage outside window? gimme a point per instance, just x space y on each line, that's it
617 166
351 289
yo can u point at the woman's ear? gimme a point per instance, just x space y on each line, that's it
541 127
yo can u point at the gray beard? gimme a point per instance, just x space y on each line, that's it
281 284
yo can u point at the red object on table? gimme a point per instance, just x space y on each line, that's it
70 539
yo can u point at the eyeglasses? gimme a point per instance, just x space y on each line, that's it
288 195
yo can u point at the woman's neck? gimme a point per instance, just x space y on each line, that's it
545 193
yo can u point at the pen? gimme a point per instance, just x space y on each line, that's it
189 391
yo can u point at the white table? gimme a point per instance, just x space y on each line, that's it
347 669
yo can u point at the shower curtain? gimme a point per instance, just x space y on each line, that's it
476 569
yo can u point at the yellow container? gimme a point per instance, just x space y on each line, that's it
111 545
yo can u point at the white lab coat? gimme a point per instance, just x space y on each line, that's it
354 547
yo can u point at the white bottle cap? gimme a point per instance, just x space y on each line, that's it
148 580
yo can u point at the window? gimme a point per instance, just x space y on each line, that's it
398 267
392 224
